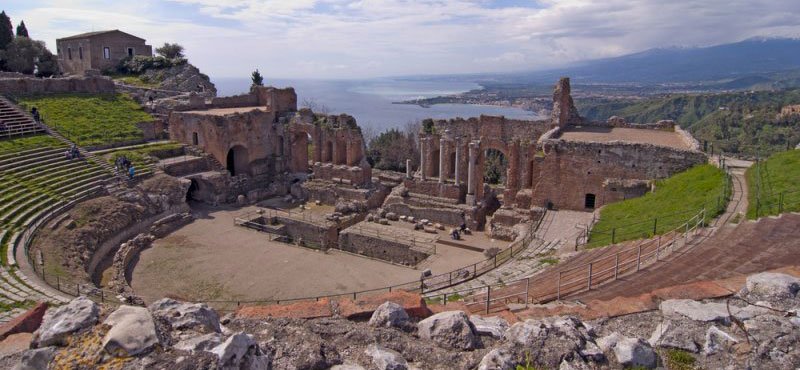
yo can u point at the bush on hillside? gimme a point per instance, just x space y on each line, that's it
140 63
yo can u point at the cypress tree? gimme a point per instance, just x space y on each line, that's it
6 30
22 31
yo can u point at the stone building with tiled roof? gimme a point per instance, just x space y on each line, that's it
99 50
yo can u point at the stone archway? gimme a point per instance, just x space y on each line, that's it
238 160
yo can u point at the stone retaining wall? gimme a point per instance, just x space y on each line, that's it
383 249
31 85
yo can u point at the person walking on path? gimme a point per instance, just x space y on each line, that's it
131 172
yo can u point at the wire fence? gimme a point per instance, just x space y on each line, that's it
767 201
424 285
556 284
662 224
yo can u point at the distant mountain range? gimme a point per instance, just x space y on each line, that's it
741 64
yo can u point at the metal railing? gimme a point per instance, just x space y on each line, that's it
554 286
422 286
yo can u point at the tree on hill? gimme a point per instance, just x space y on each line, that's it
6 30
170 51
390 149
22 31
27 56
257 78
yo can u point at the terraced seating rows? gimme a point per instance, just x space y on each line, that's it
33 183
15 122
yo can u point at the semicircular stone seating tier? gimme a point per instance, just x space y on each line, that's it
36 183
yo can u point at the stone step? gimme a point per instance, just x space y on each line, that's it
22 153
35 153
12 216
25 162
52 180
77 191
36 166
60 170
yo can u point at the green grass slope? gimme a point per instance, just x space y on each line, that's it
774 185
91 119
674 200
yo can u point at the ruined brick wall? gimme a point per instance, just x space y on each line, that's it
564 111
30 85
383 249
321 236
432 188
255 137
571 170
338 148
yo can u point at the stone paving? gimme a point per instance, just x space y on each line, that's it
558 231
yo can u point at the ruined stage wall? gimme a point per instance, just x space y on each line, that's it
570 170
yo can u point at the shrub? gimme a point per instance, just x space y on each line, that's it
680 360
139 64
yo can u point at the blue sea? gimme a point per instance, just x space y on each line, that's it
370 101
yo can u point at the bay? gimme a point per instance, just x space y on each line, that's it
370 101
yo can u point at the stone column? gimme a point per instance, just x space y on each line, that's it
422 149
458 161
473 154
441 160
408 168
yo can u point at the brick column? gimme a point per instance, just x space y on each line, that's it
441 160
422 149
457 164
473 154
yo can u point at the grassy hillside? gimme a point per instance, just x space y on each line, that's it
91 119
774 185
742 123
675 200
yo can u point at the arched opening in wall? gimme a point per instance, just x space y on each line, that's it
452 167
327 154
589 201
237 161
195 139
435 163
494 167
193 188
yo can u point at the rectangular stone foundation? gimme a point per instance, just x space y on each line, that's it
375 247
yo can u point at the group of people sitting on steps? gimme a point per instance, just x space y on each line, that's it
73 152
122 163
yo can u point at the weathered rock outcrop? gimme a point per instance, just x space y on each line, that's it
184 77
190 335
59 323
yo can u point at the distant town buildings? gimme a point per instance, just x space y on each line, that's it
99 50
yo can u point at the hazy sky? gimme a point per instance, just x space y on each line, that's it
367 38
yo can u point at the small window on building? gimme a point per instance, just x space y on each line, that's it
80 52
58 51
130 52
589 203
69 53
106 53
195 139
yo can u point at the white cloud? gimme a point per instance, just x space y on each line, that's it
360 38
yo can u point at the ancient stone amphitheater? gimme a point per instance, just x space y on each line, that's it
254 189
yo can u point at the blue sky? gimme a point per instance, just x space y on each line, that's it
369 38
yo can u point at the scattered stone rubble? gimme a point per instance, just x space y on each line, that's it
758 329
